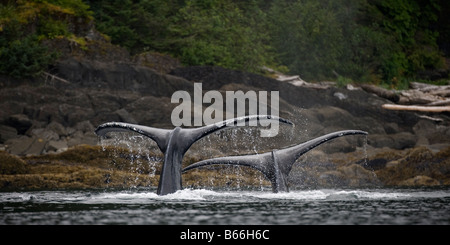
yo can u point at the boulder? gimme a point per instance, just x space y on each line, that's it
403 140
58 128
44 134
85 127
80 138
48 112
25 145
150 110
125 116
7 132
56 146
399 141
430 132
380 141
331 116
391 128
74 114
20 122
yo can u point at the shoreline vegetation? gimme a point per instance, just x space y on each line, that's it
382 42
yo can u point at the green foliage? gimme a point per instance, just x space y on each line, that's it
76 8
138 26
379 41
413 41
343 81
219 33
222 33
307 37
23 26
376 41
24 57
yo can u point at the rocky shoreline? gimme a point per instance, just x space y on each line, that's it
50 116
37 119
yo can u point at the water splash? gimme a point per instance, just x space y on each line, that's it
132 153
139 196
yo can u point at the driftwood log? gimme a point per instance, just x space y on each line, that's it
416 108
381 92
421 97
46 75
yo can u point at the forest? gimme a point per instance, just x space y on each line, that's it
383 42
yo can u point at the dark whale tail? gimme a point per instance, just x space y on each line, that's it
158 135
275 165
190 135
174 143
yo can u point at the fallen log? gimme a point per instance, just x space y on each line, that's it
381 92
431 118
424 87
416 108
46 75
440 103
442 93
417 97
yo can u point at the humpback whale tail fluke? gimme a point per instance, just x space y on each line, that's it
156 134
160 136
275 165
174 143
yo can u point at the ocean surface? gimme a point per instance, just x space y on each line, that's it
384 206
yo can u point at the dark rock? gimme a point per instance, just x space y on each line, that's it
58 128
333 116
380 141
56 146
20 122
44 134
104 101
370 125
150 110
80 138
8 108
25 145
6 133
391 128
158 62
119 76
398 141
375 164
85 127
48 113
431 132
339 145
404 140
102 90
125 116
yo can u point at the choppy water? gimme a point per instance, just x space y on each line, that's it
223 207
